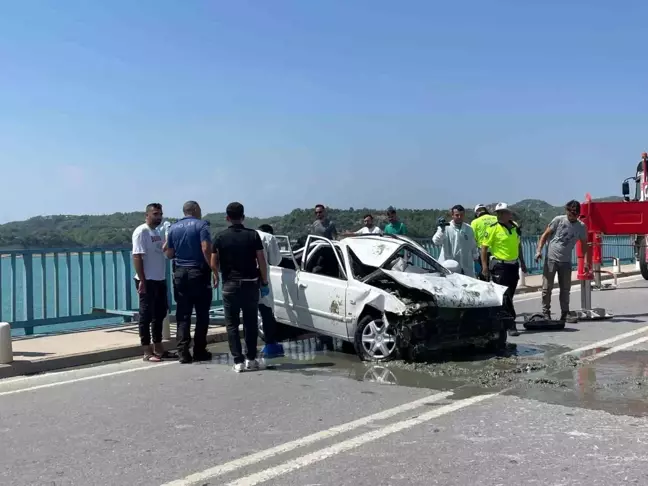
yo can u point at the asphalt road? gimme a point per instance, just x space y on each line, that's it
553 414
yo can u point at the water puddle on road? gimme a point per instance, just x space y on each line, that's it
617 384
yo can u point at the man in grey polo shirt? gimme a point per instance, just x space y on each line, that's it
322 225
562 233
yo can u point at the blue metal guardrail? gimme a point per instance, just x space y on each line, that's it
60 286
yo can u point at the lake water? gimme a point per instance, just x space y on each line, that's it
62 285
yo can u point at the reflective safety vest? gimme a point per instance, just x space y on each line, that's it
503 243
480 225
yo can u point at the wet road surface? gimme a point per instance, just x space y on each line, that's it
563 407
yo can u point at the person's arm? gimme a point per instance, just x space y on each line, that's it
486 243
437 239
551 228
214 261
261 260
206 243
169 246
138 260
404 229
523 266
484 260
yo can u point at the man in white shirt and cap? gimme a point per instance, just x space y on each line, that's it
457 241
272 348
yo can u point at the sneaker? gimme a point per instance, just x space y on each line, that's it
275 350
251 364
547 315
238 367
185 359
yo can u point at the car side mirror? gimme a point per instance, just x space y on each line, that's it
452 265
625 188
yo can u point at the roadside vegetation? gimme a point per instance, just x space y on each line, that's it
115 230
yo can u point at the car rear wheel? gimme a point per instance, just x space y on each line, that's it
374 342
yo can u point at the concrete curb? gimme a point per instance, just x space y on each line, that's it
531 289
21 368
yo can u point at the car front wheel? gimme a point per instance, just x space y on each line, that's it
374 342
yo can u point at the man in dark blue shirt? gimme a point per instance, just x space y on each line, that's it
189 245
238 253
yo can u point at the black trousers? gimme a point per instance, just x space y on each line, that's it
508 275
241 296
269 324
153 308
192 289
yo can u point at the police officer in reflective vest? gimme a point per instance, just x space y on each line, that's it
502 239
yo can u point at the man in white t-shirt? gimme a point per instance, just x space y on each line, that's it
369 228
150 280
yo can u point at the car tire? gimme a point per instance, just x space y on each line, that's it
643 264
498 345
370 327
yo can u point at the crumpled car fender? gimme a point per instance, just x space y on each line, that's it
379 299
453 290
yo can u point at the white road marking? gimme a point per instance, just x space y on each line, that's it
308 459
615 349
611 340
575 288
201 477
85 378
354 442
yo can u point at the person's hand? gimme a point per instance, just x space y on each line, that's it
523 267
486 273
538 256
215 280
586 268
141 287
265 290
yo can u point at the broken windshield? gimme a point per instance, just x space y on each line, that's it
406 259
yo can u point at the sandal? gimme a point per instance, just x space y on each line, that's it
152 357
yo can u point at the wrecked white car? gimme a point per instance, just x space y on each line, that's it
386 295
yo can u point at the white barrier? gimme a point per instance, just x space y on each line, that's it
616 265
6 349
166 329
522 282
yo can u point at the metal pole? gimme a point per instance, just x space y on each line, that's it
586 295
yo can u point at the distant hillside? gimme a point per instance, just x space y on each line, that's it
114 230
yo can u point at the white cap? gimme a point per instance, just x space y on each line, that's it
502 206
480 206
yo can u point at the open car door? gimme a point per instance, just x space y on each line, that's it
283 282
322 287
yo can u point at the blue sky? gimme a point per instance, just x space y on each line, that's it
108 105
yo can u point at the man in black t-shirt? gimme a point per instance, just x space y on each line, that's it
238 255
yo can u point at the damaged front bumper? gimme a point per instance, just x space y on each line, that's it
444 328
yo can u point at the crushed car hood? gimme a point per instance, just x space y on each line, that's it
453 290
